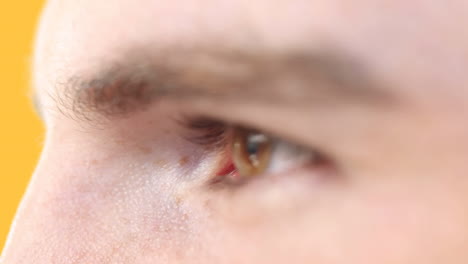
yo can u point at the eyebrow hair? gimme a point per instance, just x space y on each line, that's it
140 78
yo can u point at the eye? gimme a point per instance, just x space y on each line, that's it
253 154
248 153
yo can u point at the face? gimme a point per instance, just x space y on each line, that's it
249 132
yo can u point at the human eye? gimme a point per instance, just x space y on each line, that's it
247 154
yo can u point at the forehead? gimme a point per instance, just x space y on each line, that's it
401 40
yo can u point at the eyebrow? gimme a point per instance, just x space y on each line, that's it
140 78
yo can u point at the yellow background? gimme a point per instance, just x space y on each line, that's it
21 132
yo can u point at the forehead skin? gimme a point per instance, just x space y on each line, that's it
400 40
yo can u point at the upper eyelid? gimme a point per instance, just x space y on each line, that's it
213 133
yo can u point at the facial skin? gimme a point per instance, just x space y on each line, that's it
379 89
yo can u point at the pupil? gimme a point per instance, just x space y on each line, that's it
254 143
252 147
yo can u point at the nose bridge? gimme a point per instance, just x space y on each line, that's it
58 213
32 229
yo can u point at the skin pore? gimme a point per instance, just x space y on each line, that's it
375 87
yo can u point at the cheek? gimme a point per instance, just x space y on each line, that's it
405 222
408 222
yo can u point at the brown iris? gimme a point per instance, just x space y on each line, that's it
251 152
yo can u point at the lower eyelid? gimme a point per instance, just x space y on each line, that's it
270 195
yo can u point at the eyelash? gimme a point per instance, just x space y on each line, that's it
206 132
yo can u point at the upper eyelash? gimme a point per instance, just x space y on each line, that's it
206 132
